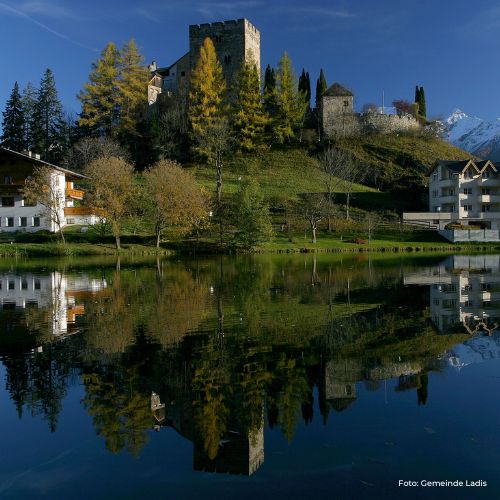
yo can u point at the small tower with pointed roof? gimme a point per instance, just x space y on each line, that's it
337 107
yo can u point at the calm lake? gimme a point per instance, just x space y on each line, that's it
250 377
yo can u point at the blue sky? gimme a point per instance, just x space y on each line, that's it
451 47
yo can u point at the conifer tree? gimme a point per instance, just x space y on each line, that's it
99 96
321 87
131 85
207 90
249 116
28 101
417 94
308 89
291 103
422 108
207 111
270 92
48 120
13 121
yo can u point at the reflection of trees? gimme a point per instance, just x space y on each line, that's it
39 381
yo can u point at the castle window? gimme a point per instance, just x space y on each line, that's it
218 38
183 73
346 103
7 179
227 59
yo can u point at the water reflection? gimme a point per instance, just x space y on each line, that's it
217 349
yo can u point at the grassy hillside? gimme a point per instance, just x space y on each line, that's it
396 171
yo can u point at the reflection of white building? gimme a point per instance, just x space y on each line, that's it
476 350
463 289
56 294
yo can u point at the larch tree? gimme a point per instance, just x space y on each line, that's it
13 121
207 111
174 202
291 103
111 190
99 100
131 85
249 118
48 120
28 101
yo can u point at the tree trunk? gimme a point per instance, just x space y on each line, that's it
117 240
313 228
158 239
219 180
347 199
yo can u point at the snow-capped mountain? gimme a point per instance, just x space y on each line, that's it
475 135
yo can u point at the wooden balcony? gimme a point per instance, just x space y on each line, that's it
83 211
76 194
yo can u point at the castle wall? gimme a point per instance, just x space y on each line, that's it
349 124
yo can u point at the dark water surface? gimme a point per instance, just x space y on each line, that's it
252 377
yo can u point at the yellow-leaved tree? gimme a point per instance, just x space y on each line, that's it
207 110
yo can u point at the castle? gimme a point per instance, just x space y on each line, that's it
237 41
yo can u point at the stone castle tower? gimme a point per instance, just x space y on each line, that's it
235 41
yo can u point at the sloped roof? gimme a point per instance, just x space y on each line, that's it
39 162
337 90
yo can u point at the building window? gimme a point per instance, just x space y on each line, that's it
468 303
7 179
468 208
485 174
9 221
469 174
36 221
11 285
218 38
183 73
24 285
467 190
346 103
23 221
485 208
451 192
7 201
435 193
485 190
227 59
486 287
37 284
70 221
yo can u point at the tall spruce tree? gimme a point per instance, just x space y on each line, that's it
305 86
291 103
48 120
249 117
28 101
270 92
321 87
13 121
308 89
99 113
131 86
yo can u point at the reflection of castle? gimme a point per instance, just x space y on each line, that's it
463 290
55 294
238 452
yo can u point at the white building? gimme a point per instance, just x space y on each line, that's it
16 214
58 295
464 290
464 197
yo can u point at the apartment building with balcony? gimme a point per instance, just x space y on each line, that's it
17 214
464 201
